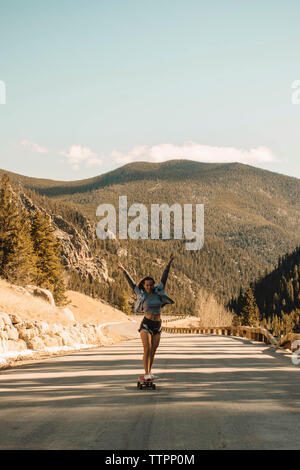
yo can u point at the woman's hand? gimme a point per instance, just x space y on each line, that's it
120 266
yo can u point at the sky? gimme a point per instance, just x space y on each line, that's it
88 86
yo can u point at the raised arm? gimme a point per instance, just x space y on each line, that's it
164 276
129 279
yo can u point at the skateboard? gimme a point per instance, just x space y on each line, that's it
145 384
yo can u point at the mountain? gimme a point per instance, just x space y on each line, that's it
252 217
278 292
137 171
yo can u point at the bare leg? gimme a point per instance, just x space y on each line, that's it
154 346
146 340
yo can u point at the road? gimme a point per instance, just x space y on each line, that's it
215 392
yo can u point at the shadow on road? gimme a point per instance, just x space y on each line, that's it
221 371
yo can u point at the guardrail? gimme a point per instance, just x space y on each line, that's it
256 334
173 318
252 333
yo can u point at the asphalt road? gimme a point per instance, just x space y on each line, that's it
215 392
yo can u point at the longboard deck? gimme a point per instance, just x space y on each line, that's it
144 384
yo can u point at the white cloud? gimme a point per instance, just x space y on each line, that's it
33 146
78 154
194 151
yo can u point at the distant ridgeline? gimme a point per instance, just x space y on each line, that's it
251 219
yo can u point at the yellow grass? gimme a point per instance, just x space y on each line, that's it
31 308
89 310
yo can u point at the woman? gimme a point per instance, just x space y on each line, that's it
150 300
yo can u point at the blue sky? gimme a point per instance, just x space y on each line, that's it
90 86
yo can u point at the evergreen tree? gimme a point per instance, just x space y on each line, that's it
250 312
123 302
288 322
49 268
236 320
276 328
296 318
17 258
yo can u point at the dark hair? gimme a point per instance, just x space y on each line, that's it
141 283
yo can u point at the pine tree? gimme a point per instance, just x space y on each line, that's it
296 318
276 329
49 268
250 312
287 322
123 302
263 323
17 258
236 320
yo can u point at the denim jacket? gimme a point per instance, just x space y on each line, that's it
159 290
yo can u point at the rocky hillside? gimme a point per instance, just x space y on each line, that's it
76 253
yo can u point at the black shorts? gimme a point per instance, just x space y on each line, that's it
151 326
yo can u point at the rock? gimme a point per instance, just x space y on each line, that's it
66 340
18 289
49 341
38 335
35 343
59 340
55 328
40 292
11 345
29 324
12 332
68 314
15 319
77 337
42 327
27 333
18 345
5 318
101 264
76 254
3 335
101 338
